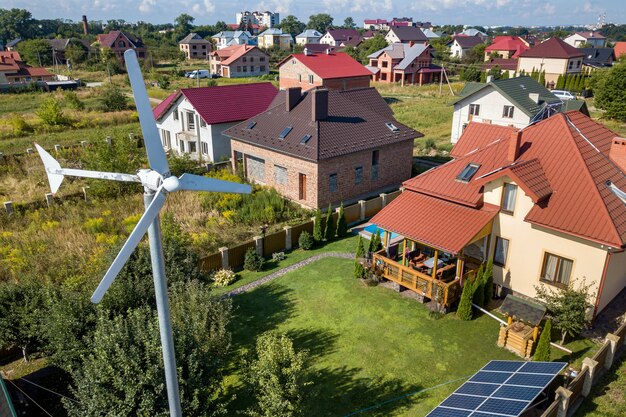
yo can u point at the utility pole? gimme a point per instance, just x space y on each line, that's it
440 80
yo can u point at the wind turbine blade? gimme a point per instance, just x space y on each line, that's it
51 165
192 182
154 149
133 240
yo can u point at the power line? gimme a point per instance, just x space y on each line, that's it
49 390
26 395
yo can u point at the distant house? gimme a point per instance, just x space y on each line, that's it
506 47
273 37
195 46
325 147
239 61
430 34
228 38
333 70
119 42
12 45
191 120
474 32
252 28
308 36
504 65
588 39
341 37
460 46
59 45
553 56
405 63
375 24
13 70
506 102
405 34
620 49
595 58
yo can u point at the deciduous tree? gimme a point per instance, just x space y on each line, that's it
320 22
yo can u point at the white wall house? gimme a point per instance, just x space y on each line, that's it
308 36
580 39
461 45
231 37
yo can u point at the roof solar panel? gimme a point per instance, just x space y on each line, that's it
503 366
531 380
516 393
464 402
491 377
542 367
505 407
449 412
472 388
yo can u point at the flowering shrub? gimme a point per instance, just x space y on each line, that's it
278 256
224 277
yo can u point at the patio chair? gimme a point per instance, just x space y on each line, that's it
445 272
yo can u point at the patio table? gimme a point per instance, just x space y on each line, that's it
428 263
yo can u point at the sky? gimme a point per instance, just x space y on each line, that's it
469 12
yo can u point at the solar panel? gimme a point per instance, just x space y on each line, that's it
499 389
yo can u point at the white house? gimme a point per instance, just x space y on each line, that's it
506 102
337 37
461 45
581 39
231 37
191 120
308 36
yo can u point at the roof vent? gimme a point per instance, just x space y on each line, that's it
307 52
489 78
534 97
392 127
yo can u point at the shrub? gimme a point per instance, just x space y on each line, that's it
359 269
342 226
71 100
479 288
317 228
375 242
305 241
253 261
51 114
19 124
112 98
278 256
542 353
329 227
464 311
224 277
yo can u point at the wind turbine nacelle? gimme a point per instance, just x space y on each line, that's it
150 179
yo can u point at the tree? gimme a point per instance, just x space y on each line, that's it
471 73
75 53
329 227
183 24
15 23
610 95
479 287
51 114
567 306
292 25
359 269
320 22
375 242
560 82
488 274
542 352
495 72
275 377
342 226
317 227
348 23
476 54
36 52
112 98
542 78
464 311
370 46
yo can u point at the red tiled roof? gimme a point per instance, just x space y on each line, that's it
237 52
435 222
552 48
529 175
333 65
27 71
619 49
107 39
14 55
375 21
508 43
224 104
478 135
8 64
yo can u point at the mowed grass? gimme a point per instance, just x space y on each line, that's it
177 82
367 345
608 397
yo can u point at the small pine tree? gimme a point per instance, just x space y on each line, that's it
329 227
542 78
464 312
479 288
375 242
581 83
483 77
560 82
488 274
568 83
505 75
342 226
359 269
542 352
317 227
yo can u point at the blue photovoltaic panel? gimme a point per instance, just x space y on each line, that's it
491 377
503 366
542 367
472 388
449 412
516 393
505 407
464 402
531 380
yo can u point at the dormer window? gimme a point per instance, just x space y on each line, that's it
468 172
305 139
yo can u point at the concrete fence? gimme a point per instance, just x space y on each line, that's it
569 398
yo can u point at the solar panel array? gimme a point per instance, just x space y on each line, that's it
499 389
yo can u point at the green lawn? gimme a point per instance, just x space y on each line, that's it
367 345
608 397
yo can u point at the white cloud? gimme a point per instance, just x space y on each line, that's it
206 8
502 3
146 6
277 6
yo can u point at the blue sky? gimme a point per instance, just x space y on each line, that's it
471 12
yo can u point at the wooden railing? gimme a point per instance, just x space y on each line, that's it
446 292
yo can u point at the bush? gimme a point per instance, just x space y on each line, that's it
329 228
542 353
305 241
253 261
278 256
223 277
51 114
19 124
488 282
71 100
375 242
464 312
342 226
112 98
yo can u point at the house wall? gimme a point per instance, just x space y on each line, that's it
456 51
491 107
256 63
528 244
552 66
310 39
578 41
615 279
195 50
328 40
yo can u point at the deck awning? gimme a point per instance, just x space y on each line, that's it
435 222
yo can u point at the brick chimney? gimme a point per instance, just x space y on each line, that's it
85 32
292 96
411 43
319 104
618 153
514 144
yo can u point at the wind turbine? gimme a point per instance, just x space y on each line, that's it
157 182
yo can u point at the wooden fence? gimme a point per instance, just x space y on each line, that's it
373 206
274 243
211 262
237 254
296 231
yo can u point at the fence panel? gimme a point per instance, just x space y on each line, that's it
296 231
552 410
274 243
211 262
373 206
352 213
236 254
601 354
621 331
576 386
392 196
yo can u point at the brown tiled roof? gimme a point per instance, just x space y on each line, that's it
354 123
552 48
340 35
237 52
107 39
468 41
409 33
478 135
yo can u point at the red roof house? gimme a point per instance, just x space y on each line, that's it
507 47
619 49
239 61
554 57
119 42
14 70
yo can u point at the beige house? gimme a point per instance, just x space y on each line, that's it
239 61
273 37
553 56
195 47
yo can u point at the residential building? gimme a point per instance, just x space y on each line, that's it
265 19
405 34
252 28
119 42
504 65
340 37
191 120
195 46
620 49
320 48
12 45
239 61
474 32
534 201
325 147
553 56
586 39
430 34
461 45
369 34
59 45
506 47
506 102
401 21
595 58
14 70
406 63
375 24
273 37
228 38
333 70
308 36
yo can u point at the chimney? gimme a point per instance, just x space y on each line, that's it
327 51
534 97
319 104
292 95
411 43
618 153
85 32
307 52
514 144
489 78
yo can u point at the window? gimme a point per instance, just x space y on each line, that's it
205 148
375 158
310 79
385 64
166 138
251 125
391 127
238 69
285 132
571 65
175 114
332 182
256 168
508 112
305 139
262 59
358 175
474 109
181 145
300 78
193 47
556 269
280 175
577 64
192 147
508 198
262 68
468 172
501 251
191 121
251 59
202 122
244 59
245 68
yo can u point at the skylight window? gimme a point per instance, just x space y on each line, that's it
251 125
468 172
285 132
392 127
305 139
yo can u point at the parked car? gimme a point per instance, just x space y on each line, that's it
200 74
564 95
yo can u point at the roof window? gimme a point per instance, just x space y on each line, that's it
392 127
468 172
285 132
251 125
305 139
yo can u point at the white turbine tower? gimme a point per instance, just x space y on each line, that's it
157 183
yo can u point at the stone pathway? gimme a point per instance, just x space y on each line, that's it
286 270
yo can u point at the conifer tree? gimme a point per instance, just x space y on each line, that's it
359 269
329 228
542 352
479 288
464 312
317 227
488 274
342 226
559 82
375 242
542 78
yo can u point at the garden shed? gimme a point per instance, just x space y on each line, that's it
522 330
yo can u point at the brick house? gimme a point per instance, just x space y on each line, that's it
333 70
239 61
195 46
59 46
119 42
13 70
325 146
405 34
404 63
507 47
553 56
